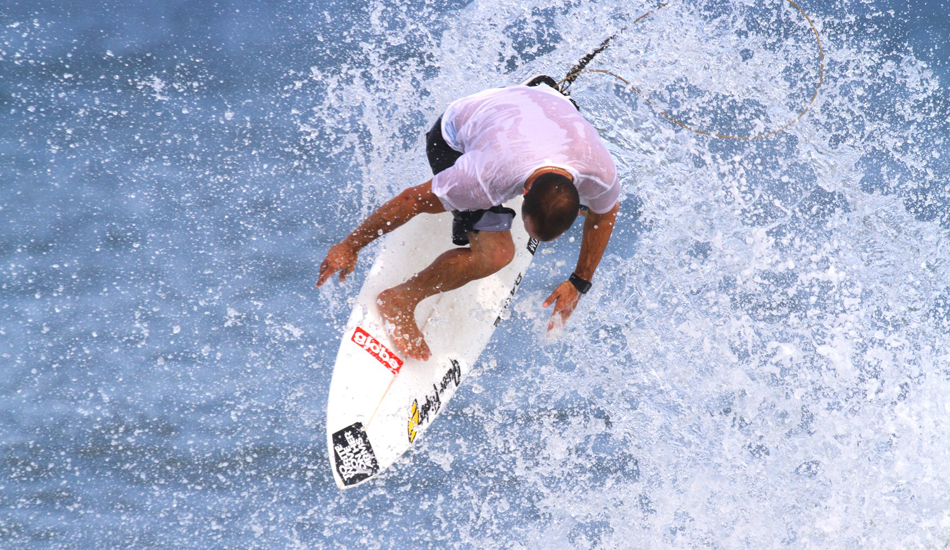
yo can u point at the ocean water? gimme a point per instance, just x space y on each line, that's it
763 362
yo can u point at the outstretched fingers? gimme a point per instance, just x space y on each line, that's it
328 268
564 298
341 257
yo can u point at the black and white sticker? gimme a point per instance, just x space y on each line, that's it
355 460
533 245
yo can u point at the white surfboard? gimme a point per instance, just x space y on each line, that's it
381 402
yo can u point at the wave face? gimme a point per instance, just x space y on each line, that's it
763 362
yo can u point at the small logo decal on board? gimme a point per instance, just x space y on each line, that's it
372 346
511 295
353 455
413 420
533 245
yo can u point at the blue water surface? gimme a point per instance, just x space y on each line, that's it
765 352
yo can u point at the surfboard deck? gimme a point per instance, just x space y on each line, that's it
380 402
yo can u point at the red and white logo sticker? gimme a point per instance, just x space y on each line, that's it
377 350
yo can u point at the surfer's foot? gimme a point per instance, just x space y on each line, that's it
400 322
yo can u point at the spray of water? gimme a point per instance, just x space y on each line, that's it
764 361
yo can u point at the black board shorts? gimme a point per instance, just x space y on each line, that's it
496 218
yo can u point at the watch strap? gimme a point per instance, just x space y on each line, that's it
582 285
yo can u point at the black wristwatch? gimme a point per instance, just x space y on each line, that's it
582 285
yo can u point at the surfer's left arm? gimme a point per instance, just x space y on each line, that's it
597 231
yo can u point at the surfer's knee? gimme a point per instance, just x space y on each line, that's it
493 253
504 255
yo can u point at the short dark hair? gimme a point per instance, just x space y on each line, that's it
551 204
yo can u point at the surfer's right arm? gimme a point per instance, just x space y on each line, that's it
394 213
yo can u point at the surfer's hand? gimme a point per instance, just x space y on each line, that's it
564 298
341 257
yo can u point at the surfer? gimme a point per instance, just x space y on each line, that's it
484 150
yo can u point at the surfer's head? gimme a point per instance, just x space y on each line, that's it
550 204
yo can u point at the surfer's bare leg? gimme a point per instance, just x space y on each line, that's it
489 251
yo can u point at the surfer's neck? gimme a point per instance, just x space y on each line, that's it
545 170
